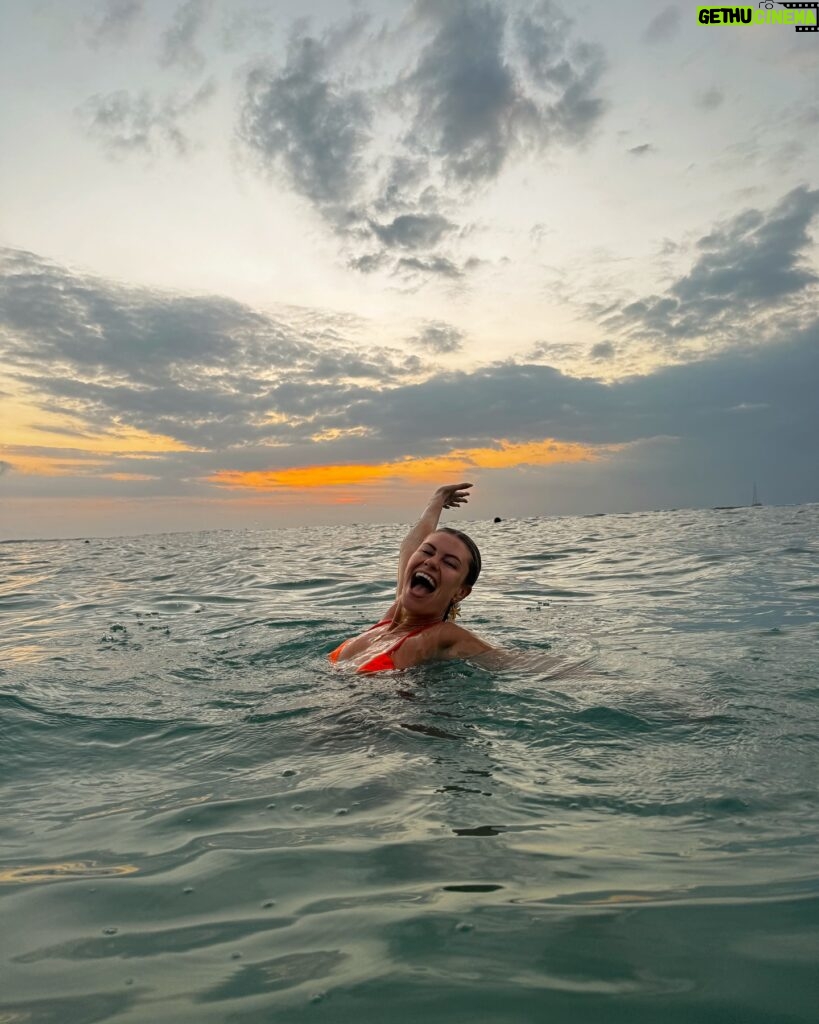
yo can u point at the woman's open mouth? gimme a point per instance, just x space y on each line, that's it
421 584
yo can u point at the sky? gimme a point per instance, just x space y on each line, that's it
273 263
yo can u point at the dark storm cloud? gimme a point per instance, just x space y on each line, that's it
747 267
179 39
663 26
439 337
480 86
125 123
116 21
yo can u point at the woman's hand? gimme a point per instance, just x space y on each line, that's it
451 495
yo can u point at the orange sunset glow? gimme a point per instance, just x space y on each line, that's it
39 443
506 456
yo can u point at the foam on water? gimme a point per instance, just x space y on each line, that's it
201 820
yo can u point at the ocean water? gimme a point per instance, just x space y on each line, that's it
201 820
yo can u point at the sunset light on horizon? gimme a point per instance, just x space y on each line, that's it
430 470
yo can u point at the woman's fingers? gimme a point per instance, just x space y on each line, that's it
453 500
452 495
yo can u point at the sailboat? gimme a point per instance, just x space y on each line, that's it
755 502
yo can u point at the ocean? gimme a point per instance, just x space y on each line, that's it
201 820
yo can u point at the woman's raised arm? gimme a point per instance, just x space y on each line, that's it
448 496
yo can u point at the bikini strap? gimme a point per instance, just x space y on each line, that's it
413 632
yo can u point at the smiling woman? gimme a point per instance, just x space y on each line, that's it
437 569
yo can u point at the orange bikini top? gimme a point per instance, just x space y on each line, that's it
381 662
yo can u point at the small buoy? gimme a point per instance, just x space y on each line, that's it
497 519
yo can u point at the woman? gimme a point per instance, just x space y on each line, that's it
436 570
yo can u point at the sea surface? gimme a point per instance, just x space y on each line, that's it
201 820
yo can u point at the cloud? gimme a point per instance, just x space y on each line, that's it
754 256
663 26
748 267
553 351
488 85
115 22
642 150
243 26
205 371
410 231
602 350
62 431
215 387
179 39
368 262
567 71
440 337
5 467
711 98
685 434
469 110
522 402
125 123
390 163
313 129
438 265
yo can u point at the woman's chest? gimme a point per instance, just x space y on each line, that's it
389 648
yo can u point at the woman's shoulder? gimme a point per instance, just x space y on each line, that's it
457 642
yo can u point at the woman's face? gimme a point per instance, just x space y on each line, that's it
435 575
